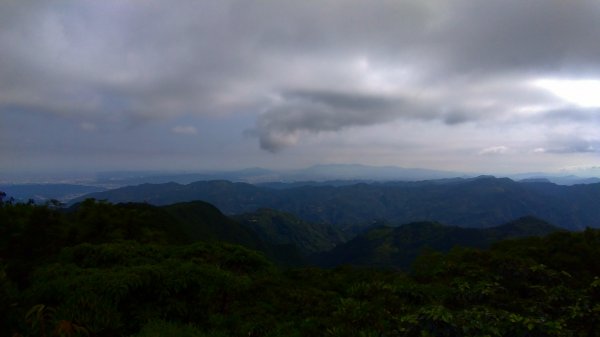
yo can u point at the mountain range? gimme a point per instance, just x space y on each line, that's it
179 223
341 174
281 236
257 175
65 188
480 202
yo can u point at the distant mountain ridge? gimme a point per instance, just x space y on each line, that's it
322 173
256 175
65 188
475 202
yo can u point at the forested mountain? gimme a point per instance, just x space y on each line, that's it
130 271
479 202
398 247
177 223
201 221
284 228
26 236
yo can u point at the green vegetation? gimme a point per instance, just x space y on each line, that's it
135 270
397 247
285 228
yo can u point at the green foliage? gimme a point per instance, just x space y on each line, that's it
99 221
120 270
397 247
160 328
114 287
204 222
284 228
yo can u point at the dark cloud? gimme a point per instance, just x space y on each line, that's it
315 111
296 112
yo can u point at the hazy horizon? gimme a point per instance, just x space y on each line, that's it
496 87
319 172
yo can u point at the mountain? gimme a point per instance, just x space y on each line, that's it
474 202
227 196
284 228
559 180
398 247
179 223
201 221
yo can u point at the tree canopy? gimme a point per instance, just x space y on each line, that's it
121 270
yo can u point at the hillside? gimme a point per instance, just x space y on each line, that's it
125 270
179 223
478 202
398 247
284 228
201 221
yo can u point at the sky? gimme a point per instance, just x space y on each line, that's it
494 86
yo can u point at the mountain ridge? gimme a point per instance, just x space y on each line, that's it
482 201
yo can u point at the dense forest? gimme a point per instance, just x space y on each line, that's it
101 269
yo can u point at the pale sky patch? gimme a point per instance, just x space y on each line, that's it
583 93
494 150
87 126
185 130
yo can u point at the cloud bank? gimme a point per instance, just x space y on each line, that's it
287 71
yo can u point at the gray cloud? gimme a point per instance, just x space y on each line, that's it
574 114
316 111
310 111
293 69
535 37
567 144
154 60
184 130
86 58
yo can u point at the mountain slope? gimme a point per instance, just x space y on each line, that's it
201 221
284 228
397 247
173 224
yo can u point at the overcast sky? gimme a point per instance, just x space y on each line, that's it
496 86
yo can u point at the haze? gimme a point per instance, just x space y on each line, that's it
500 86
